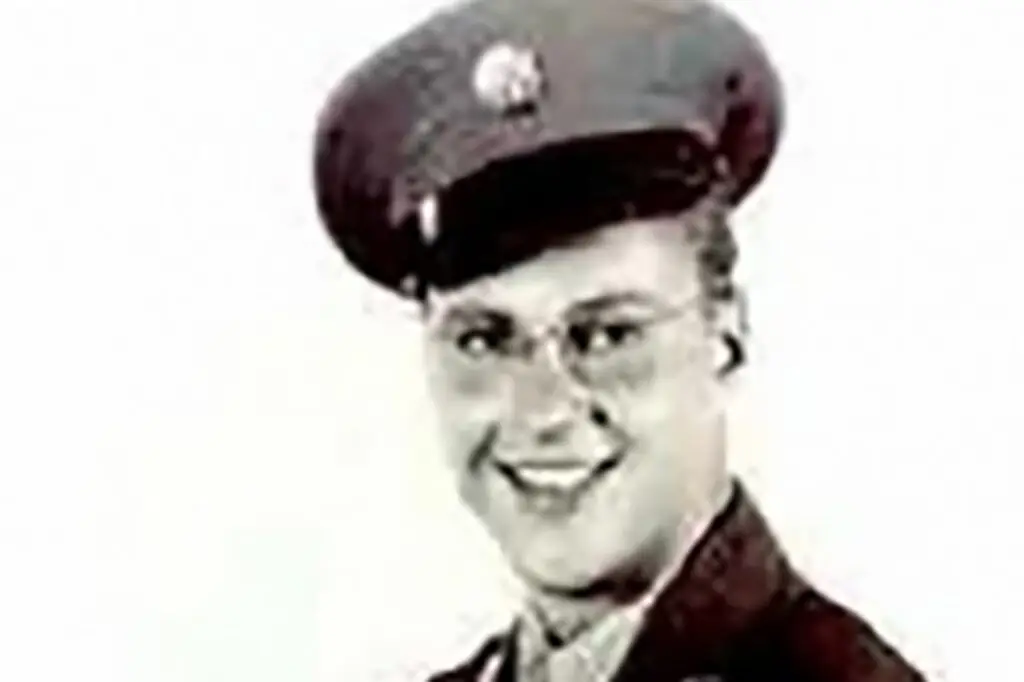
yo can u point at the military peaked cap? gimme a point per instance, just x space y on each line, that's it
498 126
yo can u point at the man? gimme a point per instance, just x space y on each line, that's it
551 181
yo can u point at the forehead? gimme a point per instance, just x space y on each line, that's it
648 257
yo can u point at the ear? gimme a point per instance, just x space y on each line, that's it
730 333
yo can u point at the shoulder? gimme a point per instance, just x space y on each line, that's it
822 641
472 670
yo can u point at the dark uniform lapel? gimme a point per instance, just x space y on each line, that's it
737 612
704 624
729 583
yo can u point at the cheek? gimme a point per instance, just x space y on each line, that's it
670 412
466 421
672 388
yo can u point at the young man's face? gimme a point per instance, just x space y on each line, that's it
579 406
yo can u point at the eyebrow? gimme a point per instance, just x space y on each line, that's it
476 313
605 302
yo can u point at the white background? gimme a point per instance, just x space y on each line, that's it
214 460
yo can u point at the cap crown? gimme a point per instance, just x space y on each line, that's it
429 110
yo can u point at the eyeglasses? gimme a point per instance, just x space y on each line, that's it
603 344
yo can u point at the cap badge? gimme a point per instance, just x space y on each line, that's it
508 78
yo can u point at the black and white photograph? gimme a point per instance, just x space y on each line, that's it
510 341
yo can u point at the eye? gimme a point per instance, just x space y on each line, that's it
599 338
481 342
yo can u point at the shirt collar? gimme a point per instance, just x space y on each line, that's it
593 655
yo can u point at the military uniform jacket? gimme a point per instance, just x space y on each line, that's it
735 612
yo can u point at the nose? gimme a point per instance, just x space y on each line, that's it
546 403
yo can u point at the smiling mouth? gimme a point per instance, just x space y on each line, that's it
557 478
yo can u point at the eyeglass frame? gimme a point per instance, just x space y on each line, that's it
556 336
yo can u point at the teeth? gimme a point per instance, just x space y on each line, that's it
554 477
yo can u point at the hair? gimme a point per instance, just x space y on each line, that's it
706 226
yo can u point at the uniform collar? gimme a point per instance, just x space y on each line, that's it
733 579
730 582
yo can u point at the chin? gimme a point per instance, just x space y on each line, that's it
574 573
